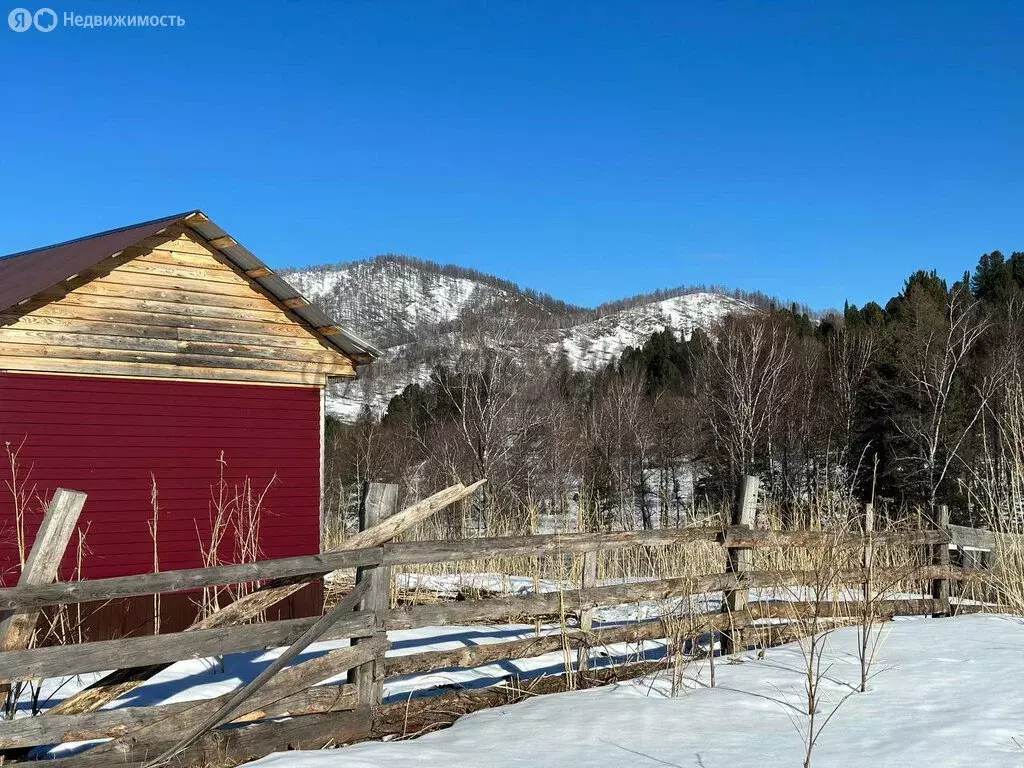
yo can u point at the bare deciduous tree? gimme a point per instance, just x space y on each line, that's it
743 376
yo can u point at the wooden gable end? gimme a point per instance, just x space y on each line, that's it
170 307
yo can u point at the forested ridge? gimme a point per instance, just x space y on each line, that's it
912 403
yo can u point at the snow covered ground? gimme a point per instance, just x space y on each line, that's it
947 693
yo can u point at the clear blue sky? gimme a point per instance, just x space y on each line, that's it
817 151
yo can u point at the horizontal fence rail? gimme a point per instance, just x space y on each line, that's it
307 568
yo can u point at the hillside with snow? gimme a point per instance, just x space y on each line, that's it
423 315
390 300
594 344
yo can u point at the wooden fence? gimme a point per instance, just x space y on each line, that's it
242 725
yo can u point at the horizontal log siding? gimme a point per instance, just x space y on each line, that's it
110 437
171 309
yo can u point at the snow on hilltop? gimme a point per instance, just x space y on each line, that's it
388 300
593 345
416 311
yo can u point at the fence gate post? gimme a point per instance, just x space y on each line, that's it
940 556
380 501
588 579
740 561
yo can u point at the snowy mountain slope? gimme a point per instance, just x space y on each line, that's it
423 315
389 300
593 345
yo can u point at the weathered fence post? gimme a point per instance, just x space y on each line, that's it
42 566
869 551
380 501
940 556
588 579
740 560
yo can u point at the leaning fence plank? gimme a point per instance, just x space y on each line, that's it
42 566
43 562
61 593
123 681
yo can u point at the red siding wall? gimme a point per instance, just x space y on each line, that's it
107 436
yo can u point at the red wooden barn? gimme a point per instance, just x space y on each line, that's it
168 373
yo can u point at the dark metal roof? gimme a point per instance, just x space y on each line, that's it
23 275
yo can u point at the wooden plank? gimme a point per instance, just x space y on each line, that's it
588 580
973 537
37 596
379 502
43 564
107 301
161 373
478 655
258 272
142 341
211 273
296 303
178 328
125 289
740 560
60 315
550 604
940 557
10 351
760 539
201 287
155 650
487 653
423 552
840 609
177 241
177 258
223 242
413 515
115 723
